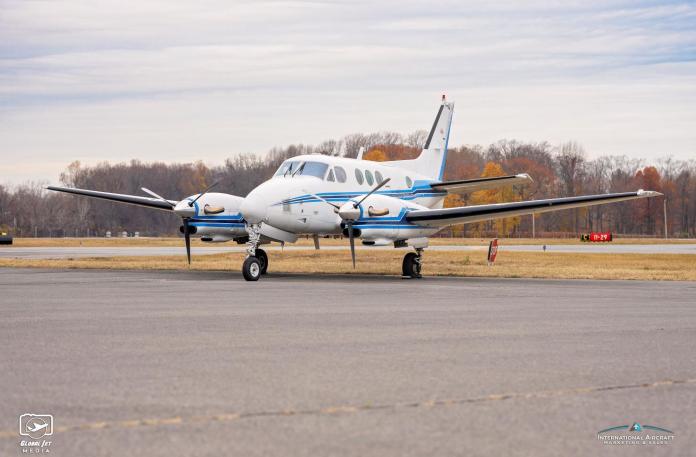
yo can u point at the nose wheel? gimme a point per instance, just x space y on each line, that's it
411 266
251 269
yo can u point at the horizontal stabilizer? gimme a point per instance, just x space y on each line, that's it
122 198
473 185
478 213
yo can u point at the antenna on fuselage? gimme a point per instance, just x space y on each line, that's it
360 153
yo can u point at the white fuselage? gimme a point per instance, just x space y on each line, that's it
288 201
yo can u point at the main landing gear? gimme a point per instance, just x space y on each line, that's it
256 263
411 266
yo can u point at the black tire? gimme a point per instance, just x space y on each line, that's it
263 260
251 270
410 266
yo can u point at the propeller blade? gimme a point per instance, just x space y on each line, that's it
322 199
377 187
187 239
148 191
203 193
352 242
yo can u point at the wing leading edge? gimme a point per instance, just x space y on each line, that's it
123 198
473 185
468 214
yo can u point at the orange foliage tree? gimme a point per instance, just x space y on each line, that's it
505 226
376 155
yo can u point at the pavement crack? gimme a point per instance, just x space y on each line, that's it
352 409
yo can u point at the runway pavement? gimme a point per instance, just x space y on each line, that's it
74 252
202 363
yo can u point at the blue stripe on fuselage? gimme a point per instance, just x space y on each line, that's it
420 189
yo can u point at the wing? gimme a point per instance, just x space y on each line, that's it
123 198
472 185
478 213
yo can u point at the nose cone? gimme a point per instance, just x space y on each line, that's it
254 208
183 209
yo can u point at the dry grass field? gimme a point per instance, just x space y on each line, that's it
670 267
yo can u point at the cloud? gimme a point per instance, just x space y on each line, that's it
202 80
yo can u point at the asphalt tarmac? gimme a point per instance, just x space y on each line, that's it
75 252
202 363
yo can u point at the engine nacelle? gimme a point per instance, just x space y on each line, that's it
384 218
216 217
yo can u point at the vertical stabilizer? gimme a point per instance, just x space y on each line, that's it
431 161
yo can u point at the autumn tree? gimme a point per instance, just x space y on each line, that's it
504 226
648 209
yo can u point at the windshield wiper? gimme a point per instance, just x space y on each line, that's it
287 170
299 169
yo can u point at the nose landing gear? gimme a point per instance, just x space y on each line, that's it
411 266
256 263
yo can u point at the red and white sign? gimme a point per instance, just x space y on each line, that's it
600 236
492 251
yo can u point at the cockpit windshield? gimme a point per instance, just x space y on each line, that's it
291 168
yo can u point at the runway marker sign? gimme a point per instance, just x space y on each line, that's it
492 251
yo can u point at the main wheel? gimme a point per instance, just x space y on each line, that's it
411 266
251 269
263 260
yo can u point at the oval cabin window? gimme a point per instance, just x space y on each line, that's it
340 174
359 176
368 177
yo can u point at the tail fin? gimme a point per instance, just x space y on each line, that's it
431 161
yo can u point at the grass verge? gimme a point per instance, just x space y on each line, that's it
672 267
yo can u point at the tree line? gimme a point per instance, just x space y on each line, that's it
557 170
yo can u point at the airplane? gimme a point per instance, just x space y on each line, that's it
397 203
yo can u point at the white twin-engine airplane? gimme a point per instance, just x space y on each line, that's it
398 202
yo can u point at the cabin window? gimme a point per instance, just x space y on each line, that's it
409 181
368 177
340 174
378 177
359 176
330 176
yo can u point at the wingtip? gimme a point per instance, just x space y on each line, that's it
524 176
649 193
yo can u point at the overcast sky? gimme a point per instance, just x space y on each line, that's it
180 80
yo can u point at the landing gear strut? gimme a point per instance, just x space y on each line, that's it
256 262
411 266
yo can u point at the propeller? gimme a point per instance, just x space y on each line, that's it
159 197
352 241
184 211
202 193
187 239
349 212
377 187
